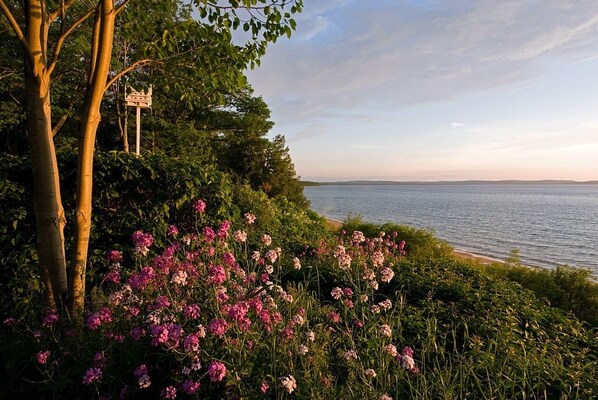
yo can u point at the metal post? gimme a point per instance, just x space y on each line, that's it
138 138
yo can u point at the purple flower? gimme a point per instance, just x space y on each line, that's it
140 371
51 318
114 256
217 371
92 375
191 387
191 311
217 274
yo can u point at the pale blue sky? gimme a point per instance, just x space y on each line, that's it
438 90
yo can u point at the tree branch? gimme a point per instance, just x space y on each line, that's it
64 35
60 10
128 69
121 6
17 29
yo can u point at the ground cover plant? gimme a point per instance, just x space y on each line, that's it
228 311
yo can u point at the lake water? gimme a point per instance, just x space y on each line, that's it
549 224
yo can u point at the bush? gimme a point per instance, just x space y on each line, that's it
130 193
568 288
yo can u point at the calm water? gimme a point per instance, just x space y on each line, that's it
549 224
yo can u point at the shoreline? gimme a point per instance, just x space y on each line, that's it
458 253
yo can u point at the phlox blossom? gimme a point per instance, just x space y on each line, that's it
350 355
391 349
303 350
386 274
42 357
289 383
296 263
216 371
370 373
199 206
168 393
358 237
179 278
266 240
92 375
240 236
191 387
249 218
385 330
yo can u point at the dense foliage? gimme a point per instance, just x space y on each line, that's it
224 310
134 193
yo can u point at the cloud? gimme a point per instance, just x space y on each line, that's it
456 125
352 55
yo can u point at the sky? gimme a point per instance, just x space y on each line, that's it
437 90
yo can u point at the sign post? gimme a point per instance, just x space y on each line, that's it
138 100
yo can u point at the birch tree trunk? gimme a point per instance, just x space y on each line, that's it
49 212
101 56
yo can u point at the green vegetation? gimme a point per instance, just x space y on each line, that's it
568 288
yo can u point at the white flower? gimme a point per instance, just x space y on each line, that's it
408 362
358 237
373 285
391 349
350 355
289 383
370 373
336 293
385 304
311 336
144 381
179 278
385 330
387 274
298 319
385 397
344 261
303 350
296 263
240 236
266 240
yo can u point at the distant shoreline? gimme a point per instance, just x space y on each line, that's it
460 254
466 182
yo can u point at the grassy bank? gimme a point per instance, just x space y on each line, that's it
271 304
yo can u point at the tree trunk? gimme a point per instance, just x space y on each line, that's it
49 213
89 126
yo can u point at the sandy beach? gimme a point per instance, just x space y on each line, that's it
460 254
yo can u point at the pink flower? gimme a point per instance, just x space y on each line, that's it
199 206
350 355
217 371
208 234
336 293
105 314
223 229
264 387
92 375
172 230
218 327
191 311
348 292
42 357
217 274
334 317
271 255
168 393
94 322
100 360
